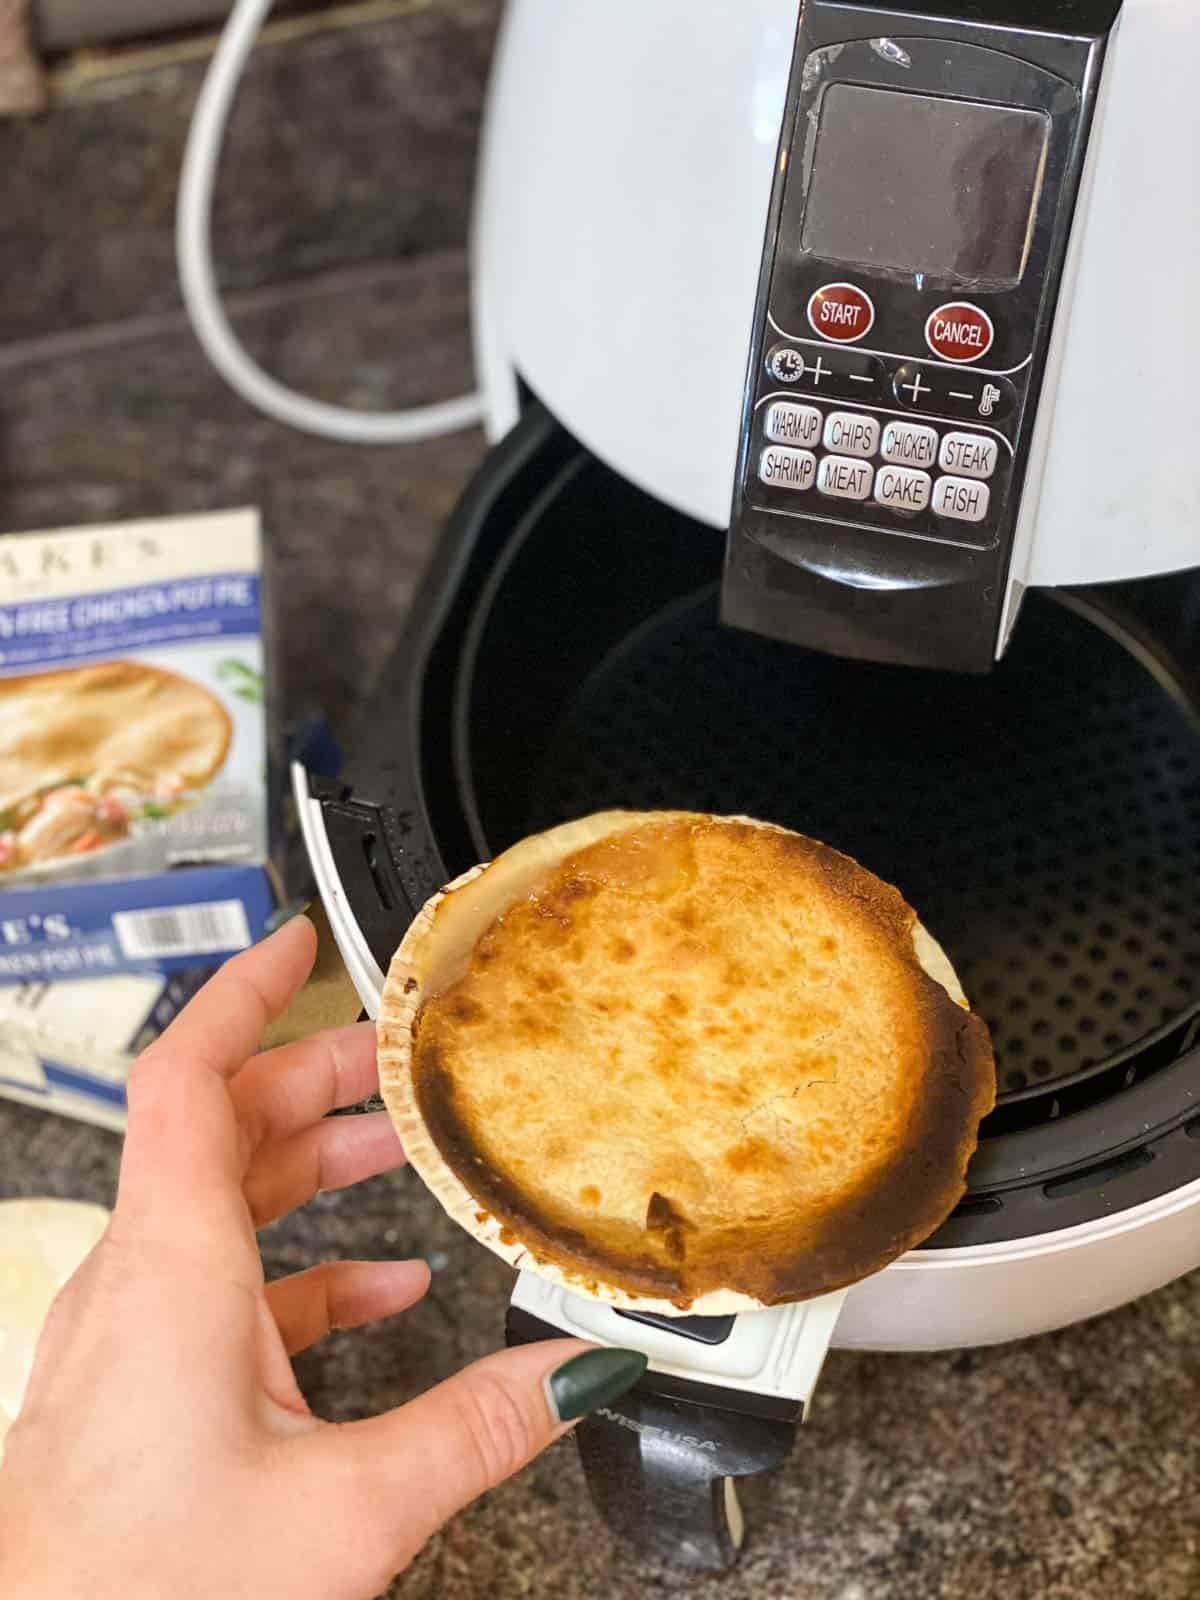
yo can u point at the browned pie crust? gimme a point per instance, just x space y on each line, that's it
689 1060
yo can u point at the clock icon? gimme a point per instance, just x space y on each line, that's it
785 364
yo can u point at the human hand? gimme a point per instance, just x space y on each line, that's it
164 1448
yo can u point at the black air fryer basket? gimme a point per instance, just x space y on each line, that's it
565 655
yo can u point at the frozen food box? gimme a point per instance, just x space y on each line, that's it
135 827
68 1046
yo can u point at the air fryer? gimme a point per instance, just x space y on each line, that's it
805 514
565 653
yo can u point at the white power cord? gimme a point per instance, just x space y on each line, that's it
193 251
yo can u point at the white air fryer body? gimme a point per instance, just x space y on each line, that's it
626 170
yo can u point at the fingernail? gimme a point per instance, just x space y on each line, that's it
590 1380
294 908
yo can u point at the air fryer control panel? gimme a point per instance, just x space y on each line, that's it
919 225
887 455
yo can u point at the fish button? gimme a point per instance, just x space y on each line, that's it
971 454
782 468
844 479
902 488
961 499
851 434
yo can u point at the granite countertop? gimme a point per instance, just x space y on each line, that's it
1063 1468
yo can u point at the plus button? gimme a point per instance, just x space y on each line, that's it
910 386
819 370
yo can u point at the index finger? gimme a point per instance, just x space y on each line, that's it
223 1024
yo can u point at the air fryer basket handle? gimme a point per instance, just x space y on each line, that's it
386 865
660 1460
661 1493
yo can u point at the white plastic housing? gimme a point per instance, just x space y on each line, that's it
779 1352
929 1299
625 175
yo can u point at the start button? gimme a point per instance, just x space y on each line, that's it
841 312
959 332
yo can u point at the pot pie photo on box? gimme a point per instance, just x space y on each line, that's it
683 1063
88 754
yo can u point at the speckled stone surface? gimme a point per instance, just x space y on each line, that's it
1065 1468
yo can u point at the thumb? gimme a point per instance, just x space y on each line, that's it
426 1460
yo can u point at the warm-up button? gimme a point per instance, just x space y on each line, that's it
961 499
789 423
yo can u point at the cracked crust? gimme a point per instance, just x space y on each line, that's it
683 1063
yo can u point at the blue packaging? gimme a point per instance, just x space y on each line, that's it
134 816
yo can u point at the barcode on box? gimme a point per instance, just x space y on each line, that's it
182 930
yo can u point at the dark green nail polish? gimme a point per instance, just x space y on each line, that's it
589 1380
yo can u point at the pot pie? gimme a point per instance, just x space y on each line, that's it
683 1063
88 753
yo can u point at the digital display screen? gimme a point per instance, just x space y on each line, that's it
919 183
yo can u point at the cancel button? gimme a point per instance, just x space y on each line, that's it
959 331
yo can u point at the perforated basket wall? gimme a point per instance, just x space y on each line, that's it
1044 820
